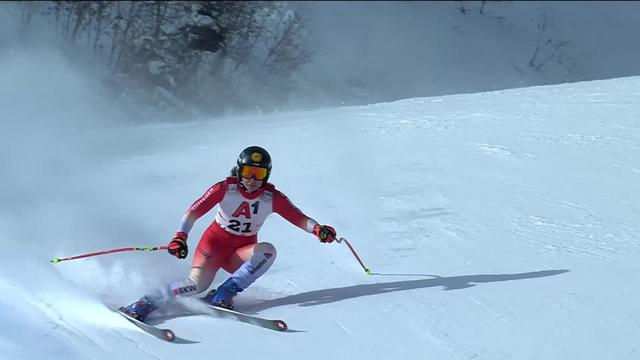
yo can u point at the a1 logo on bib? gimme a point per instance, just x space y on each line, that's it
245 209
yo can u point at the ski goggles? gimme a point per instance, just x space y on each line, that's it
258 173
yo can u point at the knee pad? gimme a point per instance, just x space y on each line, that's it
265 250
264 254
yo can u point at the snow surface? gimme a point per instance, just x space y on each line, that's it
499 225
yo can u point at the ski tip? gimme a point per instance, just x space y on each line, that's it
282 326
55 260
169 335
367 271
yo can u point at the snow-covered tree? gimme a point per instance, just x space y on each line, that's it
206 56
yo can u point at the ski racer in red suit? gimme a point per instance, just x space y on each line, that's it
244 200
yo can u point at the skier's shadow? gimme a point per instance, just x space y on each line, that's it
326 296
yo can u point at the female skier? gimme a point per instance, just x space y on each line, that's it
245 200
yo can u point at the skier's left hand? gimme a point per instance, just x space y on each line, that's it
325 233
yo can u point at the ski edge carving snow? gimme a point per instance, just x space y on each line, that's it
162 334
277 325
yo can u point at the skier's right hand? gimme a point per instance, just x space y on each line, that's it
178 247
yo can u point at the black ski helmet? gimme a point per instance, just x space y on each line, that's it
255 156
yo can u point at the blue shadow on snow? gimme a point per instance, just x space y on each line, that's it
326 296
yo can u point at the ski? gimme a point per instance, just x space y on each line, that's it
277 325
162 334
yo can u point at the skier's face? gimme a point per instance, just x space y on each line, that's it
251 184
253 177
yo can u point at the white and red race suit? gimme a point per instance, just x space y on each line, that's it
230 241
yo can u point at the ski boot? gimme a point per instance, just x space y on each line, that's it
140 309
223 295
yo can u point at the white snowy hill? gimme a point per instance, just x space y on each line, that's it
499 225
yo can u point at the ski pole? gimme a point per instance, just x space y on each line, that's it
57 260
340 240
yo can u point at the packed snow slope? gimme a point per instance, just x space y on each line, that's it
498 225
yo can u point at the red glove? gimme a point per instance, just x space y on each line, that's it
178 246
325 233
